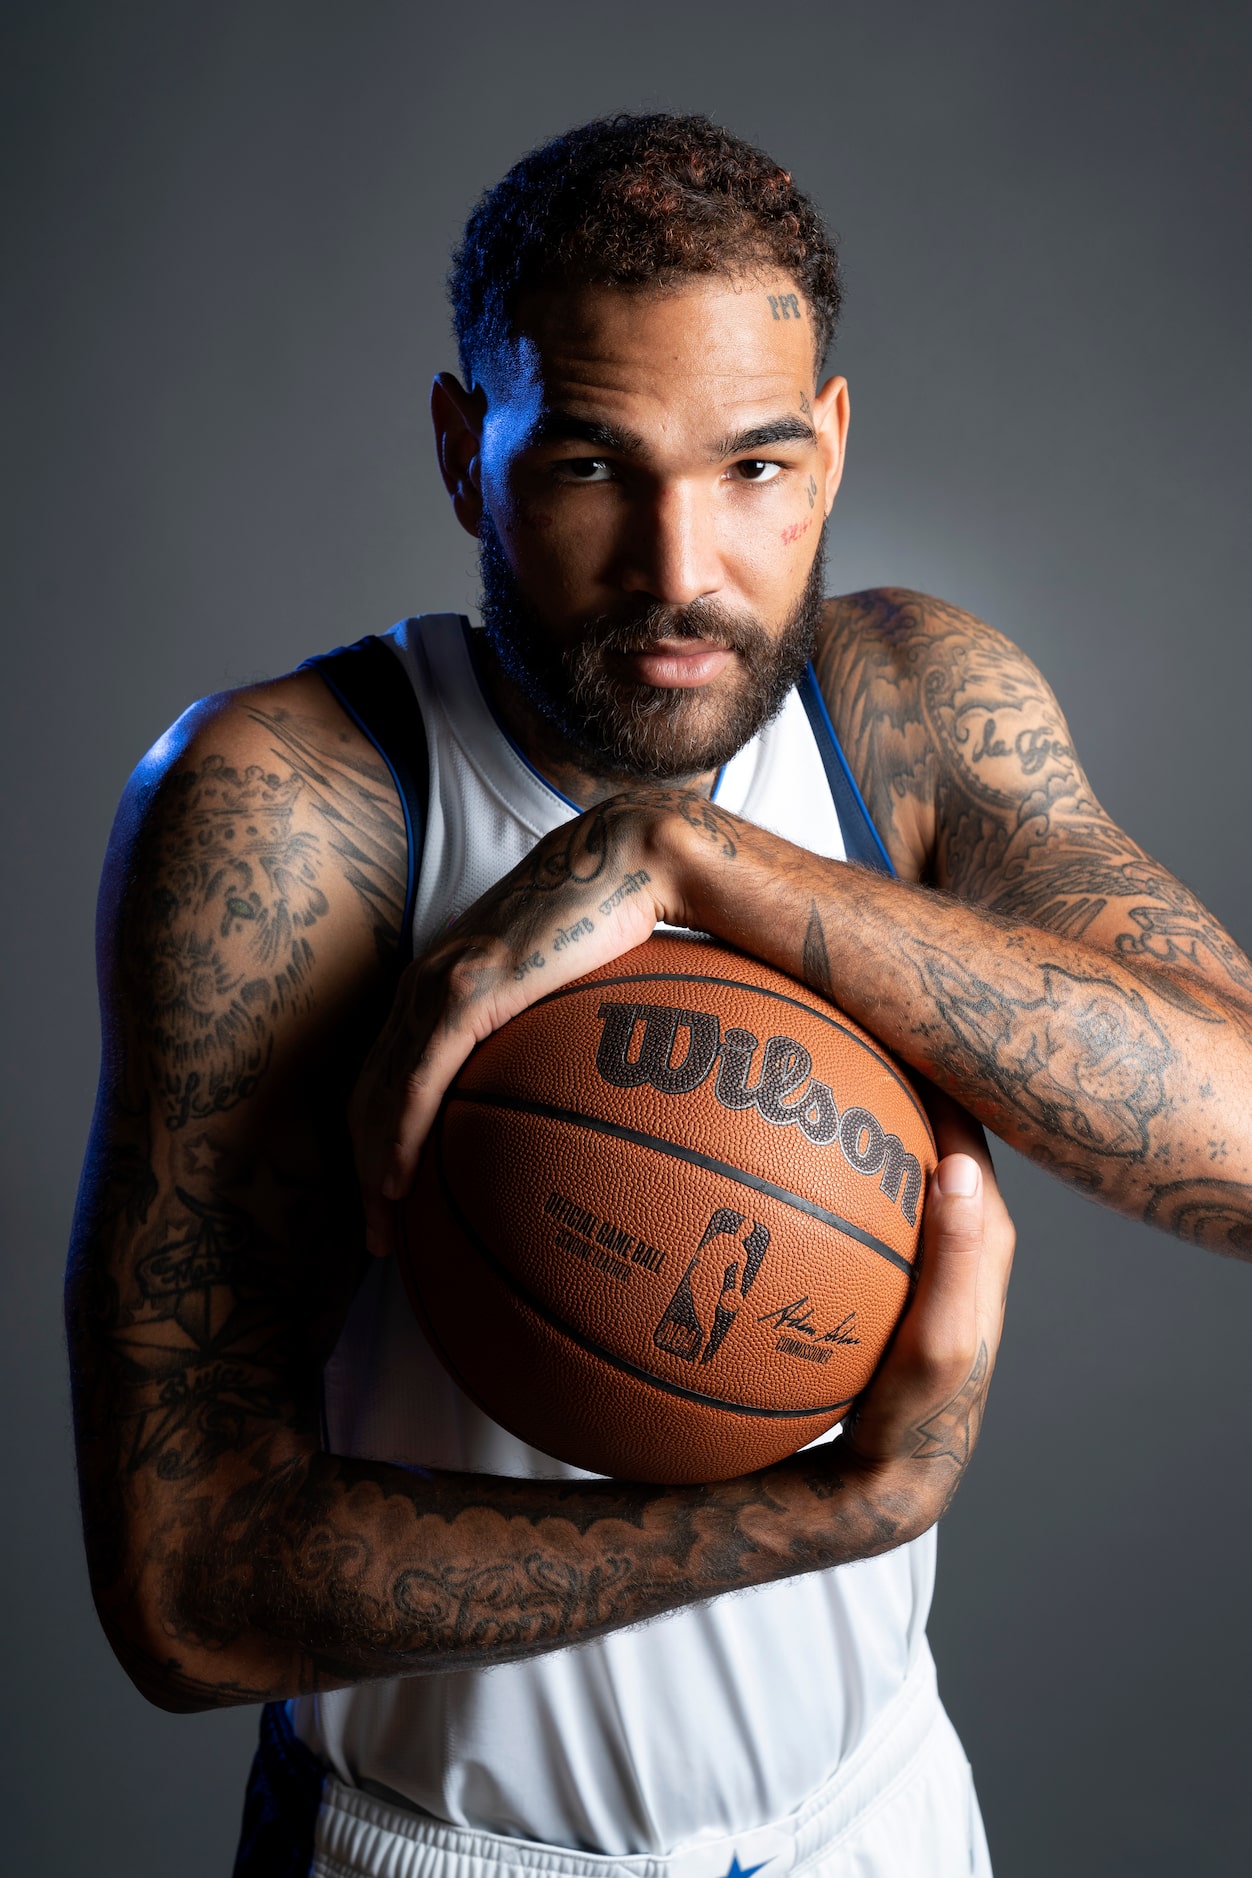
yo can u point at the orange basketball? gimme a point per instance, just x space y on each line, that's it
667 1217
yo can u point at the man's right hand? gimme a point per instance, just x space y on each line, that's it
915 1428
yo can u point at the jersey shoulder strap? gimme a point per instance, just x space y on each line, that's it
861 840
374 689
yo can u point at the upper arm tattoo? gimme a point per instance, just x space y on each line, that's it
354 799
233 877
938 707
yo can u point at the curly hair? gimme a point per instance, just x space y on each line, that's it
635 201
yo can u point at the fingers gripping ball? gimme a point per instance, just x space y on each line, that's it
666 1220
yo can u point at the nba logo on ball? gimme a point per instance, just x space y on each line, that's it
667 1218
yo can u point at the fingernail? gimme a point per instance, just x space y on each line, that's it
958 1177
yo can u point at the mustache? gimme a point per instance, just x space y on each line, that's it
648 624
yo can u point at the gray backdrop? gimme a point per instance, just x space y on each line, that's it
228 227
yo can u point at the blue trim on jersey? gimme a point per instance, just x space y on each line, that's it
520 754
842 782
522 757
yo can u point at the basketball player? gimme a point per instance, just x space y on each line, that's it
286 1499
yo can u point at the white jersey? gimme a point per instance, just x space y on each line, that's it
707 1722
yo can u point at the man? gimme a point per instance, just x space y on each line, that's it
286 1499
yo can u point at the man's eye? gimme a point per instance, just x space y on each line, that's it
754 470
585 469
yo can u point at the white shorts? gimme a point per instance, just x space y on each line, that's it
903 1806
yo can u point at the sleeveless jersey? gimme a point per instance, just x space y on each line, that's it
708 1721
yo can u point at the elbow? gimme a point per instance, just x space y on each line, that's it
158 1648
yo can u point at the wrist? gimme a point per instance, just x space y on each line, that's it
688 841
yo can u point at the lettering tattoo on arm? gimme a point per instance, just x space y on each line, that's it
939 711
577 854
574 862
551 900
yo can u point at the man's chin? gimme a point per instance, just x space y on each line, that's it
662 734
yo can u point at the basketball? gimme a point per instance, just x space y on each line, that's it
667 1217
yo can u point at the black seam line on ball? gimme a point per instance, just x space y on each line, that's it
762 991
596 1349
522 1105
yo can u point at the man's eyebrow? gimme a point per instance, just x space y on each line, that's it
555 426
761 436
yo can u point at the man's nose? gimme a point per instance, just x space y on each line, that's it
671 551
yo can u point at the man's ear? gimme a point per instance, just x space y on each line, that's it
830 421
457 415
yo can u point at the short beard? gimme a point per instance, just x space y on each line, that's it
650 732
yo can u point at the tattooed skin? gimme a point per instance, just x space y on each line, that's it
571 864
963 757
1212 1213
235 893
218 1247
355 803
1029 957
236 888
814 963
1082 1058
952 1432
967 768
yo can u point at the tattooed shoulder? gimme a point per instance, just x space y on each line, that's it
961 750
263 830
942 712
870 667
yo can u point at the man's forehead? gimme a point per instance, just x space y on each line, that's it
708 342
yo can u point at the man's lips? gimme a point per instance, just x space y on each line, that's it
677 663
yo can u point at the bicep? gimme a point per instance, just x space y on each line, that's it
1022 833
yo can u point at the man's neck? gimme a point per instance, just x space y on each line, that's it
556 759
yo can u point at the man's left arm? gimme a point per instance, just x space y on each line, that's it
1030 958
1080 999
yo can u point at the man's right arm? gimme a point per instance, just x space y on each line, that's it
251 899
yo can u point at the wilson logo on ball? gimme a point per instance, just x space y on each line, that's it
785 1093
